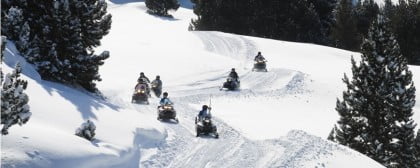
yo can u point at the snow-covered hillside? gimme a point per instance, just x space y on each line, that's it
278 119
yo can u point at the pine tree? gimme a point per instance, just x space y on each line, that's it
62 38
407 28
161 7
14 106
376 110
324 9
293 20
308 24
366 12
344 32
417 147
12 23
388 10
86 130
23 41
3 47
206 18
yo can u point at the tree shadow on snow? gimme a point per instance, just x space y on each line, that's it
168 17
84 102
95 142
171 121
202 136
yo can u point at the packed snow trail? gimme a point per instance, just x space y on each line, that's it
229 45
183 149
186 150
196 82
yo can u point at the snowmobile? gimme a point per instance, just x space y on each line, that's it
260 66
231 84
156 90
167 112
140 95
206 127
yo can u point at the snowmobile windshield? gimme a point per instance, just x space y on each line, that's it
260 61
141 87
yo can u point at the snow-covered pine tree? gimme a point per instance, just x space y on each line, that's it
417 147
376 110
63 35
86 130
12 24
71 58
161 7
3 47
23 42
206 19
14 102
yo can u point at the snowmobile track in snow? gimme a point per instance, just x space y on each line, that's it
183 149
235 47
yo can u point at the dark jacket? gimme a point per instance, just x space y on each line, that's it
144 78
158 83
233 74
204 113
259 57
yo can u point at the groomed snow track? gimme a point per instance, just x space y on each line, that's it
183 149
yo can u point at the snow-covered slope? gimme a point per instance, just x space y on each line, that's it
278 119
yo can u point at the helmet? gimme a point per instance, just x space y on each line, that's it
259 53
158 77
141 74
233 69
205 107
165 94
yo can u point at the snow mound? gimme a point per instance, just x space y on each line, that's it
304 150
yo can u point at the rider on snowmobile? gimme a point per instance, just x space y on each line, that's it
165 100
205 112
259 57
142 84
234 75
142 76
157 82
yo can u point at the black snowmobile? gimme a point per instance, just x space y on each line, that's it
231 84
140 95
206 127
156 90
260 66
167 112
